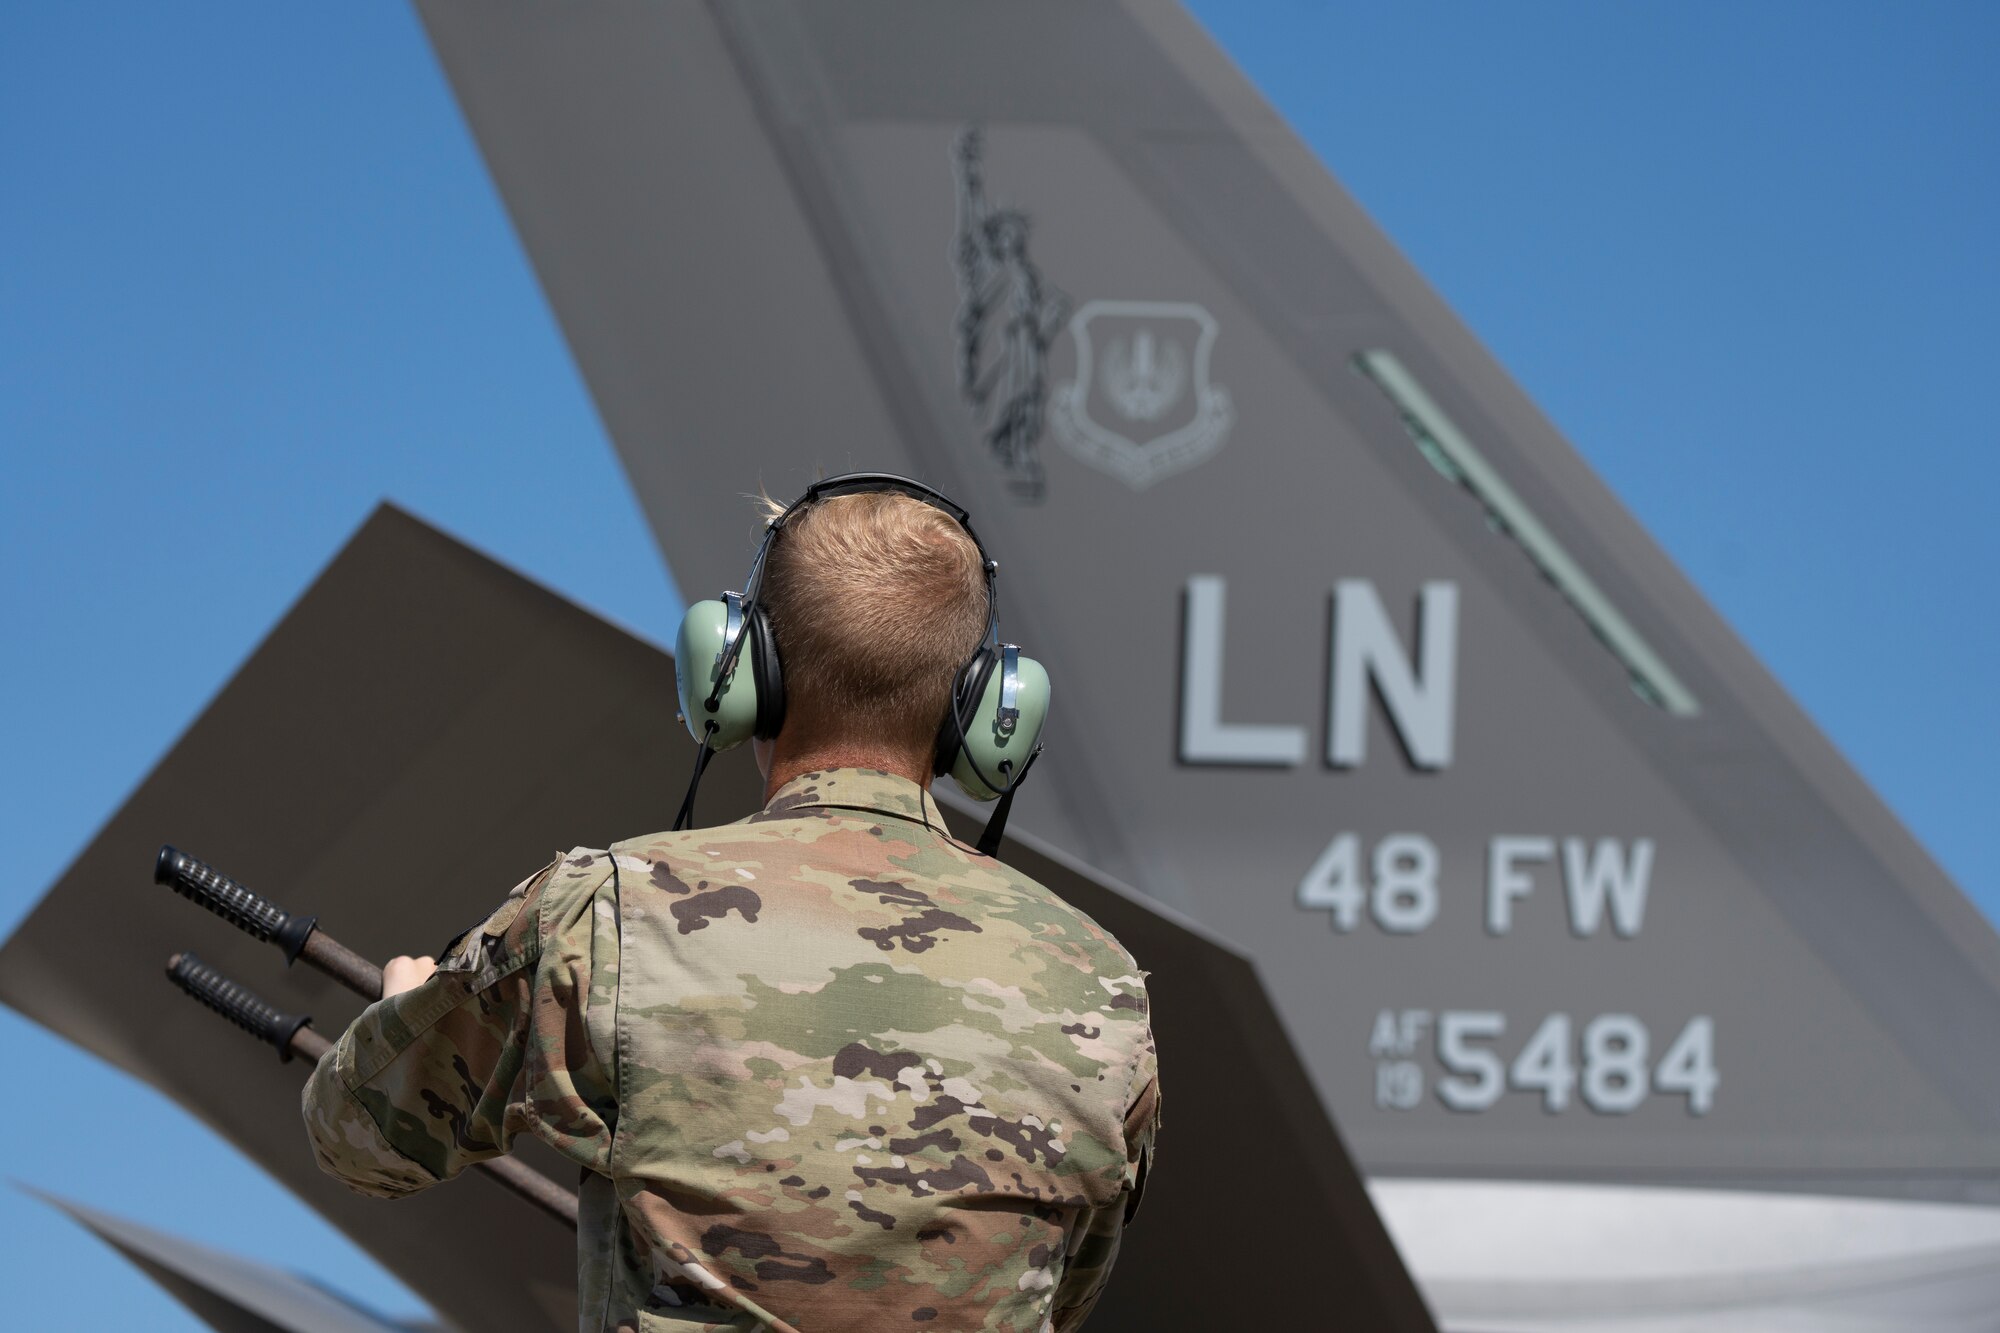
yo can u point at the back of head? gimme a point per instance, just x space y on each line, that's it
875 600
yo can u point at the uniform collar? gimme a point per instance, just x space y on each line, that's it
866 789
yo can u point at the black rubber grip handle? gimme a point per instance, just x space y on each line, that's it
203 883
241 1006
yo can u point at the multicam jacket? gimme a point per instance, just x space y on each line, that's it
826 1069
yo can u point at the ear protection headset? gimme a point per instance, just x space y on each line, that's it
731 683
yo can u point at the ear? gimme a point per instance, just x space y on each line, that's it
696 648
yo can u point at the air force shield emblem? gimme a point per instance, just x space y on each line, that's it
1141 406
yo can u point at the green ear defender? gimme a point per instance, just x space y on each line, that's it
999 703
719 700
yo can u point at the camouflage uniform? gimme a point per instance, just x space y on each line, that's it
826 1069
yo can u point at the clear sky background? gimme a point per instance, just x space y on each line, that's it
253 279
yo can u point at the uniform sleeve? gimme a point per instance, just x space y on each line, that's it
1101 1229
428 1082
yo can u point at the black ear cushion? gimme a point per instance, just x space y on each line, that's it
967 689
766 674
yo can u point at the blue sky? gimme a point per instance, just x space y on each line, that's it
255 278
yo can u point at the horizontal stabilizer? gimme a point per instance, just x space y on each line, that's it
424 728
230 1293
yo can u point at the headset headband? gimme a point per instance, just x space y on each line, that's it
854 483
861 483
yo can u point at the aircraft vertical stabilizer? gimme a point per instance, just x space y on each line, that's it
1354 658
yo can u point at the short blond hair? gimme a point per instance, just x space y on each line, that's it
875 601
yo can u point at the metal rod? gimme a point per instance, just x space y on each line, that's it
309 1045
344 965
294 1036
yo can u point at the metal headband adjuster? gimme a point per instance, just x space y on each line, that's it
732 624
1009 713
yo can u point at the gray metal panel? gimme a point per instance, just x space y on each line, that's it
391 759
1538 1258
423 729
742 215
229 1293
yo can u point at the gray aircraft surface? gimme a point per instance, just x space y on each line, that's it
1356 661
1634 1005
229 1293
464 723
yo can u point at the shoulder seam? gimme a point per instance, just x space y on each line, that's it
548 877
617 1033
